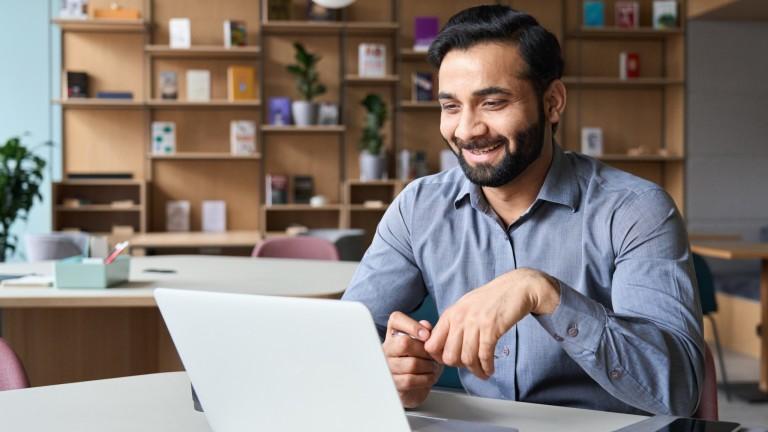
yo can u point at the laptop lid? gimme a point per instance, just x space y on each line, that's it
275 363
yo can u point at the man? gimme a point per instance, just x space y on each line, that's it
558 279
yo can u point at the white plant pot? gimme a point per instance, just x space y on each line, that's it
304 113
372 167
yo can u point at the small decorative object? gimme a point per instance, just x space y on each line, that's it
214 216
420 166
77 84
318 201
74 9
334 4
115 11
303 189
126 95
242 137
307 83
277 189
638 151
21 176
235 34
373 204
198 85
177 216
317 12
328 114
664 14
372 60
280 111
422 89
629 65
404 166
163 138
594 13
372 162
627 14
448 160
241 83
180 31
425 29
169 88
279 10
592 141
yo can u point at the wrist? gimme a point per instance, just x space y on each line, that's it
545 294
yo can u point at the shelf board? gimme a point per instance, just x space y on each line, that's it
357 79
327 27
203 51
171 104
609 82
303 207
411 54
96 103
333 129
98 208
358 182
360 207
100 25
618 32
205 156
640 158
419 105
371 27
99 182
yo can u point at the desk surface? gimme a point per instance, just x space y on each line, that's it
196 239
286 277
731 249
162 402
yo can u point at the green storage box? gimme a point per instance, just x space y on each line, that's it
74 273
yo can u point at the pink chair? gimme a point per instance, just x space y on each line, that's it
707 409
12 375
301 247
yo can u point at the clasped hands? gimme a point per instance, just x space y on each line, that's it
466 333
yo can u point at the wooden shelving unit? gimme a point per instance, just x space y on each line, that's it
319 129
94 103
203 52
205 156
96 25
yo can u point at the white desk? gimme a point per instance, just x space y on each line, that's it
163 402
76 335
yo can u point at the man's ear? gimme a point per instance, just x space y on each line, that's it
554 101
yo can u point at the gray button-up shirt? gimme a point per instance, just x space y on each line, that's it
627 335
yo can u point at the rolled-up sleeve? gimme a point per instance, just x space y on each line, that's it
647 348
388 278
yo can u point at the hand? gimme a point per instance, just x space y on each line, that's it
467 332
413 370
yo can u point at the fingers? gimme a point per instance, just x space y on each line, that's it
470 353
411 365
434 346
487 344
400 322
411 382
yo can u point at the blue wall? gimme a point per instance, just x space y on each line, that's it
26 86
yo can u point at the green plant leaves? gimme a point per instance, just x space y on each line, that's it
372 140
307 79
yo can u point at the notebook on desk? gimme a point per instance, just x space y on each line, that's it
275 363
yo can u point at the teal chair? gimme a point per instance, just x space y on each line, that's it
428 311
708 307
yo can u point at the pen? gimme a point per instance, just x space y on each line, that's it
116 251
402 333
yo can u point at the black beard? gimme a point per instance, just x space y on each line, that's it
528 148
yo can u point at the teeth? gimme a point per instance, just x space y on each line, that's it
488 150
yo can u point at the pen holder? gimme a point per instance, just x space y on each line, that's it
74 273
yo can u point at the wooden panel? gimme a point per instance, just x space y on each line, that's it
675 57
297 154
420 131
280 220
105 141
652 171
549 13
370 10
97 222
355 118
407 69
674 183
736 319
600 58
106 4
674 112
204 130
114 62
361 192
207 19
367 220
218 69
95 194
279 53
236 182
411 9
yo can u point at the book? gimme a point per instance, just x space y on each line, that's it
422 87
163 138
279 10
180 33
242 137
77 84
240 83
592 141
280 111
627 14
214 216
169 88
74 9
277 189
664 14
594 13
629 65
328 114
425 29
372 60
303 189
177 216
235 34
114 95
198 85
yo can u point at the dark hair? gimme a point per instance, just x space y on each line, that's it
496 23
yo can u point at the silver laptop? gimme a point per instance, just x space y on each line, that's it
288 364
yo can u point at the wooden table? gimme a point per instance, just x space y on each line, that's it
735 250
243 240
80 334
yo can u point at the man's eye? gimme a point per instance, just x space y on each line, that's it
493 104
449 107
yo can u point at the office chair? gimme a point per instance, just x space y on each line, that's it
55 245
12 374
349 242
296 247
708 307
707 409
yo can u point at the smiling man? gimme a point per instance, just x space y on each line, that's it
558 279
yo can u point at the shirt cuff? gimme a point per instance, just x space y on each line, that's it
577 323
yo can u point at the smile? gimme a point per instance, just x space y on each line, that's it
485 150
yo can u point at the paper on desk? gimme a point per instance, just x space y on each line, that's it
29 282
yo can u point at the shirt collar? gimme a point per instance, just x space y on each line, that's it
560 186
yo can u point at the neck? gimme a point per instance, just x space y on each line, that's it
511 200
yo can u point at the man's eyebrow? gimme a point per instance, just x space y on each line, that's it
479 93
444 95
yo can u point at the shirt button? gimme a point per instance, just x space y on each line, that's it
615 374
505 351
573 331
558 338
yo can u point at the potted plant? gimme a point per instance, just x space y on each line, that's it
372 162
21 175
307 83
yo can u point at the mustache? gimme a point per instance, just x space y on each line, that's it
479 143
